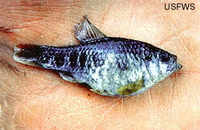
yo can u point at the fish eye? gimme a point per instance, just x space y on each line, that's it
164 57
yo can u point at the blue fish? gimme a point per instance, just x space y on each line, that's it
111 66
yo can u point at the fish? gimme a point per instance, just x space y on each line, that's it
111 66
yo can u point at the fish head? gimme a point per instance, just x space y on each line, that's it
161 65
167 63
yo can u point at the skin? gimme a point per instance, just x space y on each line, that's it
34 98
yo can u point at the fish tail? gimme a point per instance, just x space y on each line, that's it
28 54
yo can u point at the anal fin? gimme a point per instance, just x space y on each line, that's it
86 31
68 77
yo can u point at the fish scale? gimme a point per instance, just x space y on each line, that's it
111 66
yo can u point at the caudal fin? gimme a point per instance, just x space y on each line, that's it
27 54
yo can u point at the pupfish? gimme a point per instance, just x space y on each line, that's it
111 66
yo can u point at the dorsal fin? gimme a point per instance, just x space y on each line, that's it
86 31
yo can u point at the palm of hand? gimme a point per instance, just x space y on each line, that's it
41 99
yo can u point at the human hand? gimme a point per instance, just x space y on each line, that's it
34 98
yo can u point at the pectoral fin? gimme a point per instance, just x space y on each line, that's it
130 89
86 31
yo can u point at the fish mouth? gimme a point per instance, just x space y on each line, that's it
175 68
178 67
